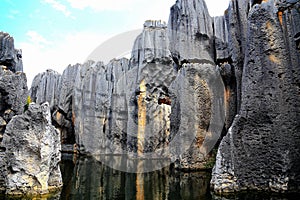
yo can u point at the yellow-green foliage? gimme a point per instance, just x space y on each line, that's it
28 100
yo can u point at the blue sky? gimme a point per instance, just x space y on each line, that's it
55 33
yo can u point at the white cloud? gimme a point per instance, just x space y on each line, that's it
57 55
58 6
37 39
101 5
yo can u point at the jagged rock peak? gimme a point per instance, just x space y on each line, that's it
152 45
13 93
191 32
9 56
155 24
45 87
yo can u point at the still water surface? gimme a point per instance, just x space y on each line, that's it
87 179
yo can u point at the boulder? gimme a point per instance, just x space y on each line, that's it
32 153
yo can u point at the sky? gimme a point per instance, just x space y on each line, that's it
55 33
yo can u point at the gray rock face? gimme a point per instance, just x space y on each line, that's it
126 107
95 97
261 149
149 104
236 20
152 45
191 32
45 88
63 115
91 109
195 100
9 56
197 116
32 153
221 39
13 93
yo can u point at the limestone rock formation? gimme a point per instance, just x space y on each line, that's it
32 153
261 149
197 116
13 93
124 105
149 104
195 100
95 102
236 20
152 45
91 109
191 32
9 56
45 88
63 114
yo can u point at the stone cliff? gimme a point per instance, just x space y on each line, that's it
261 149
187 83
184 85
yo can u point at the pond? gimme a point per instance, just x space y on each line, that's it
85 178
89 179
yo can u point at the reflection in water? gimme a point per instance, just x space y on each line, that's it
89 179
85 178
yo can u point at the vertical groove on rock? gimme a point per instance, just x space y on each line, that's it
142 118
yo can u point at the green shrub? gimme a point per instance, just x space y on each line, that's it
28 101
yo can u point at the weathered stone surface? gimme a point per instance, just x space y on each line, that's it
63 114
199 40
126 107
236 20
99 109
32 153
2 127
221 39
152 45
197 116
13 93
261 149
191 32
149 104
45 88
9 56
230 95
91 109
